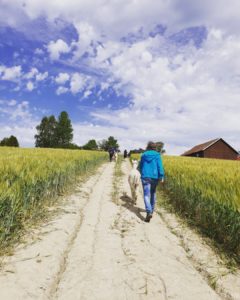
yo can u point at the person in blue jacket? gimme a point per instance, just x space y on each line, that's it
151 169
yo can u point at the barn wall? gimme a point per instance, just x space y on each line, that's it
220 150
196 154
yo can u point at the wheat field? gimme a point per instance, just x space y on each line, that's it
31 177
207 192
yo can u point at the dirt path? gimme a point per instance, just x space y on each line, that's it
99 249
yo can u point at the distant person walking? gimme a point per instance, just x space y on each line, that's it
151 169
125 154
111 152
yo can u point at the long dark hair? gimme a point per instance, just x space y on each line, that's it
151 146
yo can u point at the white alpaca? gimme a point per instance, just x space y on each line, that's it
115 156
134 180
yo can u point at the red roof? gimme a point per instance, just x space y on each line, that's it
200 147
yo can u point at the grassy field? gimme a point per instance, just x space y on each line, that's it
31 178
207 192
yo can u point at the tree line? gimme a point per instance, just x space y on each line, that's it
58 133
159 148
103 145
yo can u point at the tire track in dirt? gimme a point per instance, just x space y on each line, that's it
35 269
94 239
63 264
95 253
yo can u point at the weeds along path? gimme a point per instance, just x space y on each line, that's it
101 248
36 267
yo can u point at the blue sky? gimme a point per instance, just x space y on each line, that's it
139 70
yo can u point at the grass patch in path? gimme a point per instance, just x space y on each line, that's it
117 179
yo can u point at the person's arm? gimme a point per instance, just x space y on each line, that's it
160 169
140 165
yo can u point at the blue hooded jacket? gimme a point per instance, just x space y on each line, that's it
151 165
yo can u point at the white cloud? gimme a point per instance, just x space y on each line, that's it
79 82
16 110
61 90
113 18
55 49
5 103
177 104
24 132
39 51
16 75
87 93
41 76
33 72
62 78
17 119
12 102
22 111
30 86
12 73
86 36
191 13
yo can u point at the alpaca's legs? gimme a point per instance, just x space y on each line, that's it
134 194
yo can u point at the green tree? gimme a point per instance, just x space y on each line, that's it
4 142
13 142
46 133
10 142
74 146
91 145
64 130
111 142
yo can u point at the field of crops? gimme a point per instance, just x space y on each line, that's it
29 178
207 191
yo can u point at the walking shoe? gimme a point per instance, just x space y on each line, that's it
148 217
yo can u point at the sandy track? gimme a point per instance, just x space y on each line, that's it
100 250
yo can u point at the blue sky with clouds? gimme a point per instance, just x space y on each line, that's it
138 70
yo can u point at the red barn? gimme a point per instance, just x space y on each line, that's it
217 148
